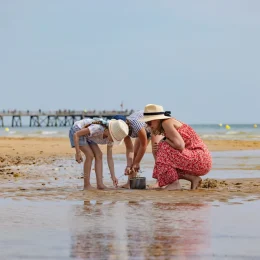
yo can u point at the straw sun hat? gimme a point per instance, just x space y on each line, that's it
118 130
154 112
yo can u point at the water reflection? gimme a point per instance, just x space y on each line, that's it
140 230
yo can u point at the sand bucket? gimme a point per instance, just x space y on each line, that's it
138 183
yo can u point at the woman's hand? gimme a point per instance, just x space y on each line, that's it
78 157
115 180
155 148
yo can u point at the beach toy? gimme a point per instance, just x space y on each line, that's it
138 183
220 124
228 127
7 129
255 125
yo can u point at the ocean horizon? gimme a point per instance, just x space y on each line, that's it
206 131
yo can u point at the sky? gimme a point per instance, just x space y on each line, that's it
200 59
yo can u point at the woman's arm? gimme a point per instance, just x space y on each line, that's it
76 136
174 139
110 162
155 139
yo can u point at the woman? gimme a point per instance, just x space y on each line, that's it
85 135
181 154
134 153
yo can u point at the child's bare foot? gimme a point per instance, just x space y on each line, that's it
195 183
89 187
125 186
101 187
173 186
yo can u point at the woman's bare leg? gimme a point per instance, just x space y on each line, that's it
98 165
173 186
87 166
195 180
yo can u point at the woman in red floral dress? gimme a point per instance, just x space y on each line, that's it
181 154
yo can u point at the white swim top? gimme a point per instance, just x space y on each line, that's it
96 130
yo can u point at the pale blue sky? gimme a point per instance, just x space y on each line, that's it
199 59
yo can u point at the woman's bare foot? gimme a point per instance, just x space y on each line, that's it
101 187
154 186
195 180
195 183
89 187
173 186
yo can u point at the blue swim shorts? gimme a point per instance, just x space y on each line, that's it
82 139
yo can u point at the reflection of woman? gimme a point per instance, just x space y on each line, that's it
183 230
181 154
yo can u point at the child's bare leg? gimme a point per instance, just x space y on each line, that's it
87 166
98 166
127 184
133 173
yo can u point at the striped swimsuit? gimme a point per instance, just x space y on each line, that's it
135 124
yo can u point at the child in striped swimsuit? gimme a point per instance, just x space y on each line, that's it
134 153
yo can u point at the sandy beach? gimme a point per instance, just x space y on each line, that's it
34 152
60 147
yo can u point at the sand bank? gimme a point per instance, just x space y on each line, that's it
39 151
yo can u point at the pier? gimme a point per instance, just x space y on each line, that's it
57 118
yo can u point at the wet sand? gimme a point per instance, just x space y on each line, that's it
46 215
37 168
212 190
18 151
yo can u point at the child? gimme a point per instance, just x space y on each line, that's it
86 134
142 135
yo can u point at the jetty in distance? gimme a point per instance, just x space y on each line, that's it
57 118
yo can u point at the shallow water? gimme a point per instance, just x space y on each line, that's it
128 230
67 173
143 228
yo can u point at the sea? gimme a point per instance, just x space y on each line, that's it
206 131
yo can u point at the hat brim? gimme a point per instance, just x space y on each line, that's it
116 142
153 117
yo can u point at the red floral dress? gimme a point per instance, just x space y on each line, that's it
170 163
